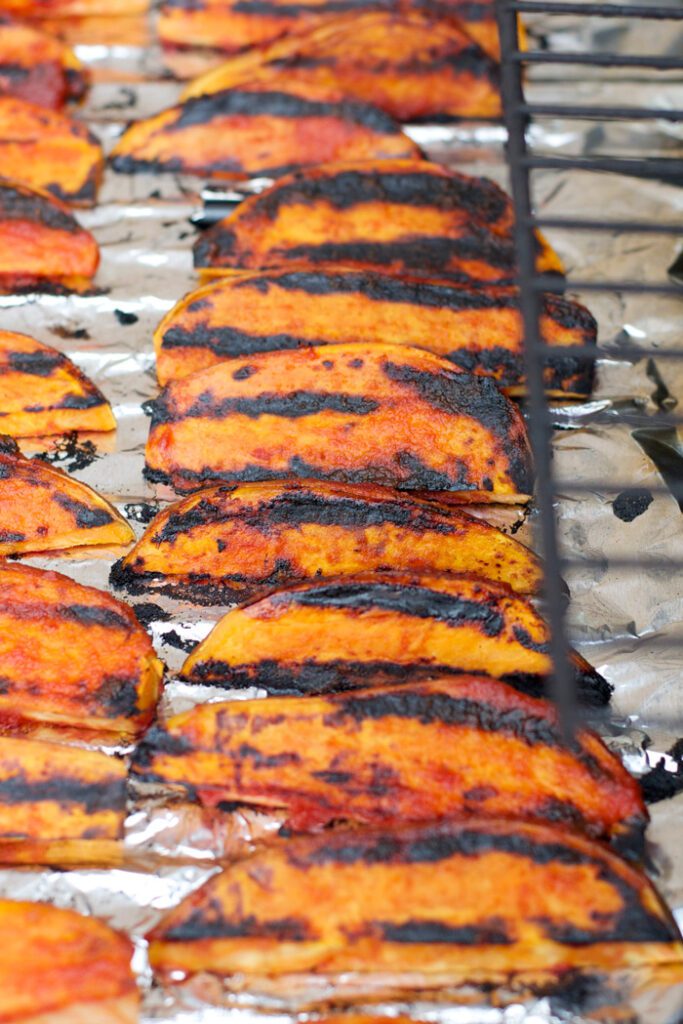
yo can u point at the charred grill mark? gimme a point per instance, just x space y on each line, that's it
260 760
592 689
94 615
37 364
106 795
235 103
416 601
18 205
294 405
211 924
120 696
479 197
490 932
89 400
86 518
230 341
157 741
264 9
11 536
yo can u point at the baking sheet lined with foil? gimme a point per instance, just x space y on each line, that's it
618 615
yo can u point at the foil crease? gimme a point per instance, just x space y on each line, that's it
626 621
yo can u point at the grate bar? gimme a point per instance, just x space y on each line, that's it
647 167
598 10
604 59
632 226
602 113
555 283
540 423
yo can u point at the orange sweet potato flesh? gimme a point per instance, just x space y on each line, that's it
49 150
235 541
73 8
400 216
369 413
42 246
43 392
438 904
59 801
36 67
71 655
365 630
408 64
233 25
478 329
446 748
43 509
236 133
54 960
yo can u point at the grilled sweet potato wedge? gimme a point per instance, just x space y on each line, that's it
403 216
43 392
43 509
449 747
72 655
60 967
59 804
37 67
367 629
42 246
236 133
233 25
49 150
431 905
373 413
408 64
478 329
235 541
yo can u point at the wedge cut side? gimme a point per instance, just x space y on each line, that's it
234 541
37 67
413 66
49 150
72 656
478 329
367 630
43 509
452 903
42 246
399 216
83 966
447 748
43 392
360 413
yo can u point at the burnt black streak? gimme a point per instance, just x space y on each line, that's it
632 923
107 795
261 760
11 536
93 615
37 364
202 925
86 518
230 341
17 204
202 110
157 741
120 696
490 932
481 198
413 600
294 405
592 689
296 508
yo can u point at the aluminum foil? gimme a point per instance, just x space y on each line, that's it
626 621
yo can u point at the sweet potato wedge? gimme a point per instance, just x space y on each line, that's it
374 413
49 150
446 748
37 67
478 329
42 246
235 541
60 966
367 629
408 64
72 655
233 25
400 216
432 905
59 803
43 392
237 133
43 509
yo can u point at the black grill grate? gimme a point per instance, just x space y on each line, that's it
519 116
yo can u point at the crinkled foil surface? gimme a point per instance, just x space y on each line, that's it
627 621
